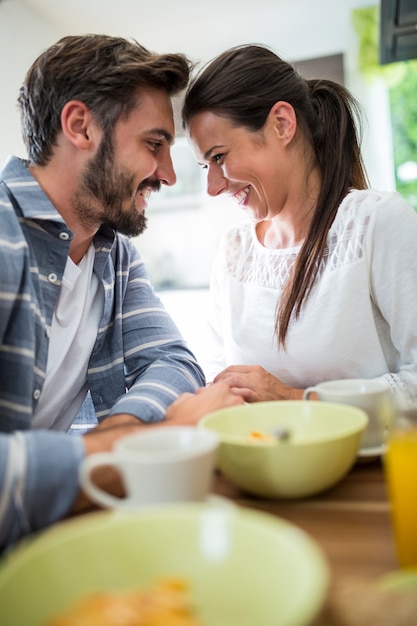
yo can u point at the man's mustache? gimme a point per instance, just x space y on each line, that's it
150 183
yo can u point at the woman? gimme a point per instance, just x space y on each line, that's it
321 283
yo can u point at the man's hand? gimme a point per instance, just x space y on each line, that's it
189 408
102 439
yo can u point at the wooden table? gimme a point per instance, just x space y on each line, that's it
352 525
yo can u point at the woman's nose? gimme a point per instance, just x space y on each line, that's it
216 182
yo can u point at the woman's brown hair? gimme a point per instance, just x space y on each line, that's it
242 84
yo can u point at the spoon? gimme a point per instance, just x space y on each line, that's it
281 433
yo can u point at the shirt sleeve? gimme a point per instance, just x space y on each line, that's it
158 363
38 481
393 269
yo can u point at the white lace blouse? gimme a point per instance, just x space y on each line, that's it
360 319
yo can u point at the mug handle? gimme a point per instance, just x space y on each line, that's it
99 496
307 392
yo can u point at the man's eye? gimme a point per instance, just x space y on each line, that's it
217 158
154 145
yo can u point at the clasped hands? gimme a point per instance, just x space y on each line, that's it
255 384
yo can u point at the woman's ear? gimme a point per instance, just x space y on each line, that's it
77 124
283 119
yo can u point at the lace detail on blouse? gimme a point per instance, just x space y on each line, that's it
250 263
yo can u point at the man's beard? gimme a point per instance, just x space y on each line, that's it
110 185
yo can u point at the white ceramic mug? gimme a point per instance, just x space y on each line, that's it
373 396
162 465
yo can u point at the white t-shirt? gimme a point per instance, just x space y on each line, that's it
72 335
360 319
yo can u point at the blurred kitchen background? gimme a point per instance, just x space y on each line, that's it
368 46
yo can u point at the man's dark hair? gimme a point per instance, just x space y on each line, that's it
104 72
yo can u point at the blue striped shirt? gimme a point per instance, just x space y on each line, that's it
139 363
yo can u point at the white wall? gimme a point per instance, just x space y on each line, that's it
23 35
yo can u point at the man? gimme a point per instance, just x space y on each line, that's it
77 310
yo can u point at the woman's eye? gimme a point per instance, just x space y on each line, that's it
216 159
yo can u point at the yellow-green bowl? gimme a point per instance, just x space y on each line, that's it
399 580
244 568
322 446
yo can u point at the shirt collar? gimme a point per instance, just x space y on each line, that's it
32 200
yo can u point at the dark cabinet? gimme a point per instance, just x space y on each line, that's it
398 31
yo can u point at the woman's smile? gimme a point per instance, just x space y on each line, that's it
241 196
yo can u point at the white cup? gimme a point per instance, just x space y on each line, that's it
373 396
162 465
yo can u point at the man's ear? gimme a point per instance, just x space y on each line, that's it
78 125
283 119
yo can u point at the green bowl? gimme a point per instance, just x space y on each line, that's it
323 445
245 568
399 580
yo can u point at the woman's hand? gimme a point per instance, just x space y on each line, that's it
188 408
254 384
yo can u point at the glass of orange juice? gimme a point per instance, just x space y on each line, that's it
401 474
